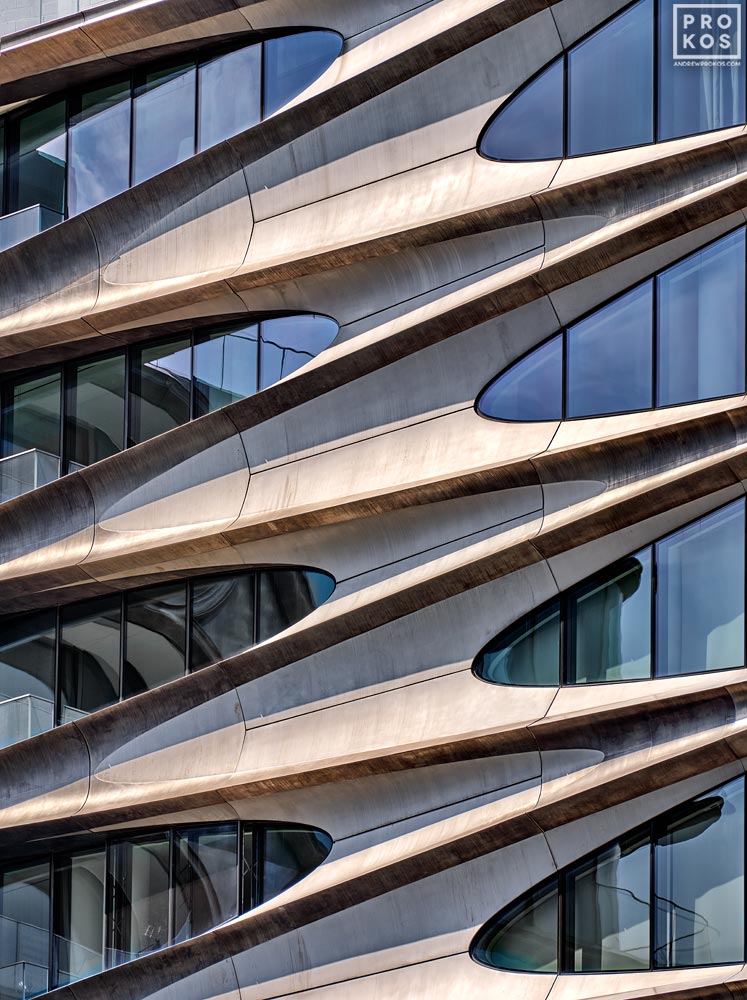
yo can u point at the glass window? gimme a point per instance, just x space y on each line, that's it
161 385
32 415
96 410
610 904
529 653
699 881
525 936
249 874
140 911
99 143
89 656
240 75
610 624
38 168
288 342
531 389
207 872
530 125
222 619
694 95
27 655
289 855
700 595
701 324
292 62
164 120
24 926
610 365
155 638
79 916
286 596
225 368
611 84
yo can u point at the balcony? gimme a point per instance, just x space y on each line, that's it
27 222
26 471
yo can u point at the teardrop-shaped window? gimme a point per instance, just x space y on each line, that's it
530 125
531 389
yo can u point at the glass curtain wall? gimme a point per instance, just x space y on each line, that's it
618 626
669 895
678 337
118 898
628 83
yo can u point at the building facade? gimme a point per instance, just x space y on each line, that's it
373 449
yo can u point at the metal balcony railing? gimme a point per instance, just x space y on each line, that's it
22 225
25 471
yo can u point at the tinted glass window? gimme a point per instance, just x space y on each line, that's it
530 126
240 75
694 95
610 363
27 676
292 62
155 638
700 594
24 925
38 169
33 414
610 624
611 84
701 324
89 656
140 918
532 389
525 937
207 873
225 368
99 146
96 411
529 653
222 617
164 120
286 596
161 383
79 916
699 881
288 342
289 855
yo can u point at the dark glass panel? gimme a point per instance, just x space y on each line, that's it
38 168
528 653
531 389
248 871
611 84
238 74
99 143
27 674
24 924
207 873
161 386
79 916
155 639
222 619
225 368
33 414
288 342
701 324
164 120
140 911
610 624
700 595
524 938
609 364
288 595
694 95
530 126
292 62
89 656
610 908
290 854
699 881
96 410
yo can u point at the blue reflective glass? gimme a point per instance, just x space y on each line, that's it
609 364
99 150
292 62
164 120
532 389
288 342
611 84
701 324
530 126
695 95
238 74
225 368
